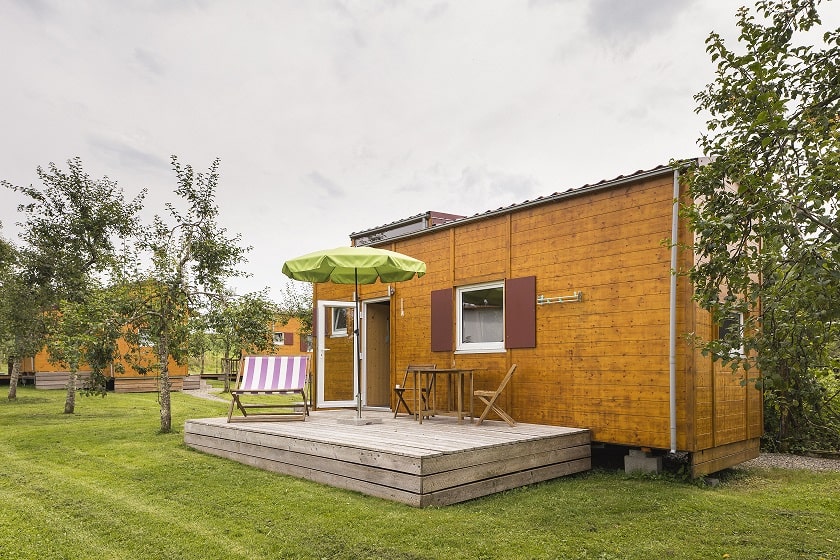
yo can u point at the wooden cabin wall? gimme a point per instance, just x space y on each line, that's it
292 328
728 412
147 358
42 363
49 375
602 363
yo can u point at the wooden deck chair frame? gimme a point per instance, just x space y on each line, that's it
399 390
489 399
273 376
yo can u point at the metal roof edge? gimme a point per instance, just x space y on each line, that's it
389 225
570 193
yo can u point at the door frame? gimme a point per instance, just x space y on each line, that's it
321 331
364 322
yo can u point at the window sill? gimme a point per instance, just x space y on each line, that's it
482 351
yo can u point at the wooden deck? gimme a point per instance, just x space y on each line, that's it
437 463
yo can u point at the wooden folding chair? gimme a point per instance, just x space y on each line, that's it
280 376
489 399
400 390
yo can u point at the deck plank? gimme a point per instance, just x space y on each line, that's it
437 463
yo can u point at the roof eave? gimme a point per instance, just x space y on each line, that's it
571 193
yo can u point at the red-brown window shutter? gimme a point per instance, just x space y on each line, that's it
521 312
288 338
442 308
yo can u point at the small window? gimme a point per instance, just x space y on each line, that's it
730 332
481 318
339 321
284 338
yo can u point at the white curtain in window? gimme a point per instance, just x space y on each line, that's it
482 324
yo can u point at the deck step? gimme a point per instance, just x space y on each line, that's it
437 463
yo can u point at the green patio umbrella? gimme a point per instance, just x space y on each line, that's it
354 265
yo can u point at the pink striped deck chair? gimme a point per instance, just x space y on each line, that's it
279 377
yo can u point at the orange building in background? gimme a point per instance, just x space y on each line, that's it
287 339
49 375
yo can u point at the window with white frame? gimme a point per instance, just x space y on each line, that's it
339 321
481 318
284 338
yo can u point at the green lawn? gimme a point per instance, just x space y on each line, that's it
104 484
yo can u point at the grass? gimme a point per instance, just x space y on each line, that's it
102 483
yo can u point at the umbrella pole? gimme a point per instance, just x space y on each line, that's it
357 335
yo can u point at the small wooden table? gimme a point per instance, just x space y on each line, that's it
426 378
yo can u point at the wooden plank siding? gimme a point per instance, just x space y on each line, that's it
601 363
60 379
144 384
434 464
45 369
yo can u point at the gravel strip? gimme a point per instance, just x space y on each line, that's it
787 461
209 394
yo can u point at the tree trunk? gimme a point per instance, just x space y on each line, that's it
201 361
13 380
784 423
226 370
165 401
70 399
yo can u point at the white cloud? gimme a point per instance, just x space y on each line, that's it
335 116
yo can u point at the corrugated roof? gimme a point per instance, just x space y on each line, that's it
414 218
590 187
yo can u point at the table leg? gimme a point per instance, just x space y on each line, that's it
418 414
431 394
472 393
459 382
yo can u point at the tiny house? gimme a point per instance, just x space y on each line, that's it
577 289
288 339
49 375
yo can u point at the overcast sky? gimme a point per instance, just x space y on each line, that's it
332 117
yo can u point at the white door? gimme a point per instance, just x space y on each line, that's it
336 379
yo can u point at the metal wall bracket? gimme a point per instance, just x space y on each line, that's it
542 300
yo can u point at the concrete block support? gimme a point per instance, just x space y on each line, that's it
640 461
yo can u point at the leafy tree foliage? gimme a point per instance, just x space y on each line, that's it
72 229
297 304
86 332
190 257
7 253
21 322
200 340
766 209
241 324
